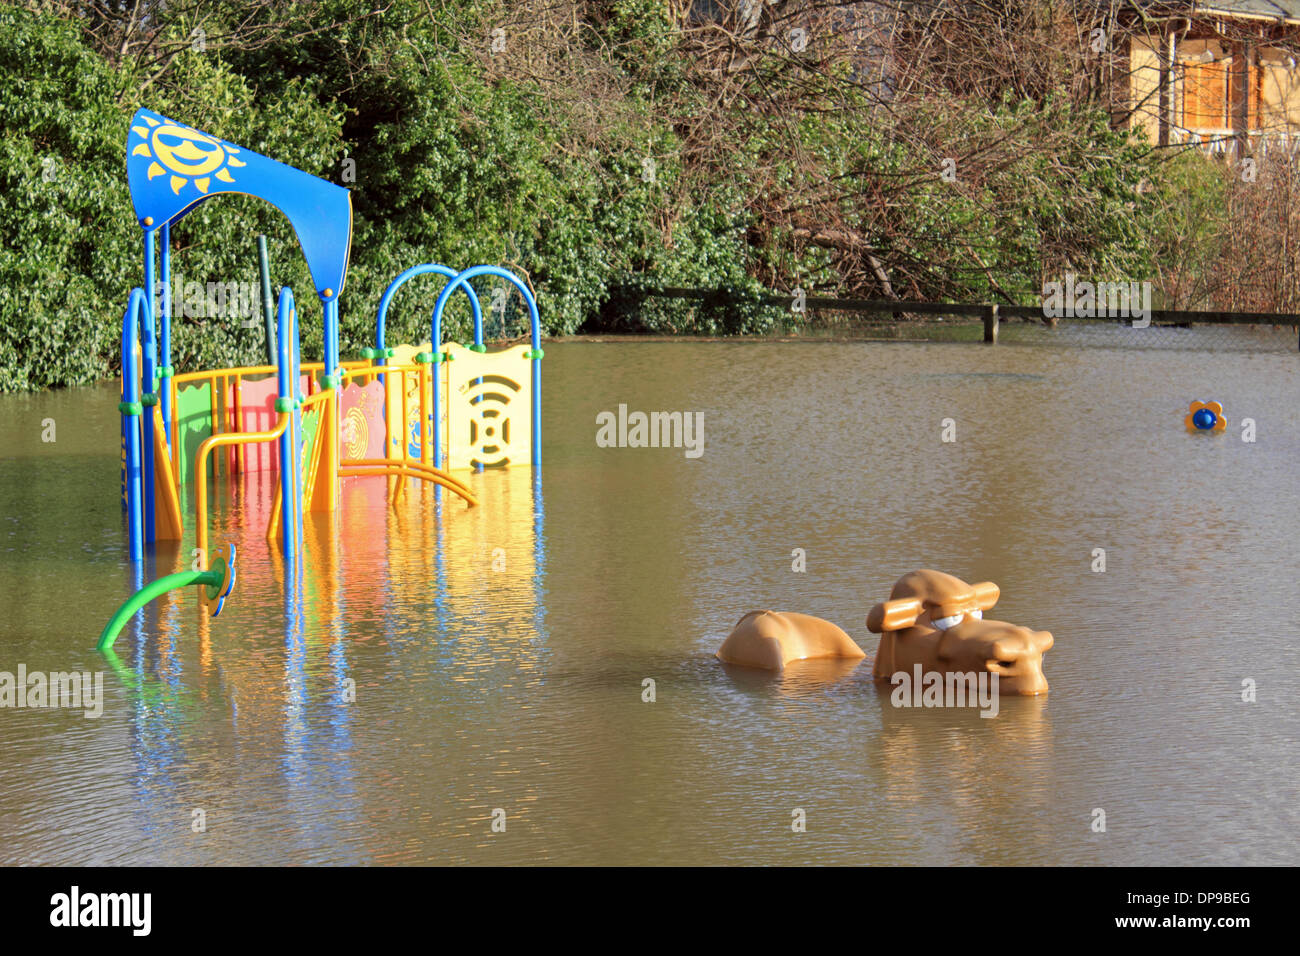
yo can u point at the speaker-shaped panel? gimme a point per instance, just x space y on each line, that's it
489 401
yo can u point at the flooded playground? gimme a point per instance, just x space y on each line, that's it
435 669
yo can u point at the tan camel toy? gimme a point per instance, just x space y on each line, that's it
931 618
771 639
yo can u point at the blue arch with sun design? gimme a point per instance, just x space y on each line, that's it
172 167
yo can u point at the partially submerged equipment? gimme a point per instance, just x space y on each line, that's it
932 620
310 423
1205 417
215 585
936 621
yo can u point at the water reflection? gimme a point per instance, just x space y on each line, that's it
984 778
161 703
800 679
454 588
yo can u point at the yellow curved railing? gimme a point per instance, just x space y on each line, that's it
405 468
201 473
222 378
273 526
413 463
351 366
399 468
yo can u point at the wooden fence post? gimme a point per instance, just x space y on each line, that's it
991 325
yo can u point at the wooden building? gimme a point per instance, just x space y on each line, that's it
1221 75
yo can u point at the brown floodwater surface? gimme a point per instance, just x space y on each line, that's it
499 656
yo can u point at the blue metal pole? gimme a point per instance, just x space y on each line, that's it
149 359
165 340
296 380
131 409
285 402
435 381
329 417
330 308
325 341
537 398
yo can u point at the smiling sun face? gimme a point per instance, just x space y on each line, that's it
186 154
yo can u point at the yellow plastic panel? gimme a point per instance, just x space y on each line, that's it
489 402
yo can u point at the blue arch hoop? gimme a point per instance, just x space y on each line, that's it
428 268
435 340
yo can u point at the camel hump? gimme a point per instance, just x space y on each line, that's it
752 614
771 639
941 594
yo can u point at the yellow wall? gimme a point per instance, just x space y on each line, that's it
1279 89
1280 98
1144 87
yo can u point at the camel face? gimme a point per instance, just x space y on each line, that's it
1014 653
936 620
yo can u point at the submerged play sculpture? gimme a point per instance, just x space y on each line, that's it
931 619
937 621
215 585
405 413
1205 417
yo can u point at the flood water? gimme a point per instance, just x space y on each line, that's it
499 655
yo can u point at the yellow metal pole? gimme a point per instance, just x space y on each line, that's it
200 462
426 412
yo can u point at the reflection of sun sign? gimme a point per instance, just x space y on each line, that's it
188 155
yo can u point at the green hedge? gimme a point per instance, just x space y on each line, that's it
457 166
465 172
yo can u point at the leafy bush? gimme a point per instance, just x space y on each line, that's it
602 163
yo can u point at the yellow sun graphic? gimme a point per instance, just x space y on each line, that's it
188 155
